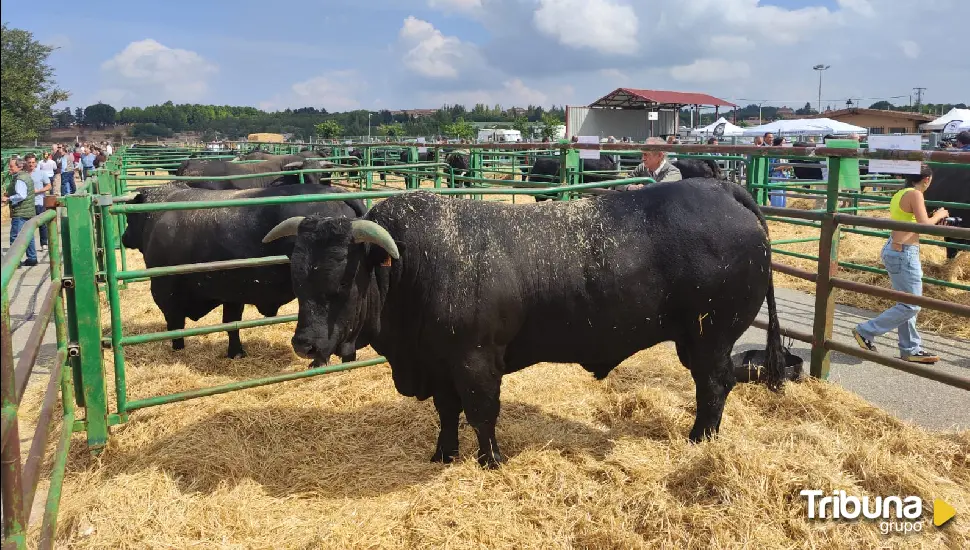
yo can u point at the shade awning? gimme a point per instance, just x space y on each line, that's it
953 114
730 130
810 126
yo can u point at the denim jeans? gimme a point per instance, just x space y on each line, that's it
15 225
905 273
39 208
67 183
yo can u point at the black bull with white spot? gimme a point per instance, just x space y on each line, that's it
456 294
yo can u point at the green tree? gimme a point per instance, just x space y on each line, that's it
550 121
882 105
99 115
394 129
328 129
27 89
78 116
63 118
460 129
521 124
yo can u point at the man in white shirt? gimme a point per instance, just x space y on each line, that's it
47 166
42 185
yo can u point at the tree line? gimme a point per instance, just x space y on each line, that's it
232 122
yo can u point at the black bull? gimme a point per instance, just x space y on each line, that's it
458 293
547 170
193 236
951 184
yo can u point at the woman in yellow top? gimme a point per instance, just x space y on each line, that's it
901 257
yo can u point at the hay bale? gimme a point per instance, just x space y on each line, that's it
341 461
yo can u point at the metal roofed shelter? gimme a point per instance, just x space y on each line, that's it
625 112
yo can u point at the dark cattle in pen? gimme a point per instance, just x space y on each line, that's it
456 294
195 236
547 170
951 184
698 168
222 168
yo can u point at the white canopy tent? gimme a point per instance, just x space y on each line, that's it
805 126
953 114
730 130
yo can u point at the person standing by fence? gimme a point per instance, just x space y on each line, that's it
67 174
19 193
42 185
48 166
87 164
900 255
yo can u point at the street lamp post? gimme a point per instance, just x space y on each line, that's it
820 68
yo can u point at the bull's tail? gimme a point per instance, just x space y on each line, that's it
774 351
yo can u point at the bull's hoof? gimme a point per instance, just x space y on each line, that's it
178 345
491 461
444 457
698 435
236 354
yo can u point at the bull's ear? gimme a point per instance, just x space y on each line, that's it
286 228
377 256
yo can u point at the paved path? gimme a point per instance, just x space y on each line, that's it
26 292
930 404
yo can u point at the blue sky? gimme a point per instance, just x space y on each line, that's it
344 54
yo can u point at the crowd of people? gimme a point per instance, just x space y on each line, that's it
29 180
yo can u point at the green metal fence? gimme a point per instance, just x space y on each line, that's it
20 477
94 267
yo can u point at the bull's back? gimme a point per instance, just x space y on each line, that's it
573 281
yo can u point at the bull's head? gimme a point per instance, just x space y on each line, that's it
332 266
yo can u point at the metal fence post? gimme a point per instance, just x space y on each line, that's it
828 265
572 171
85 351
437 169
368 162
411 178
758 175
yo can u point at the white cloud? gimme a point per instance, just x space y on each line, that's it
429 52
722 43
910 49
513 92
710 70
462 6
605 26
614 75
147 70
862 7
333 91
753 20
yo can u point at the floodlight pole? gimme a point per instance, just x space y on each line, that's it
820 68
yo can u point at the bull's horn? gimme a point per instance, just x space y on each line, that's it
295 165
286 228
366 231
